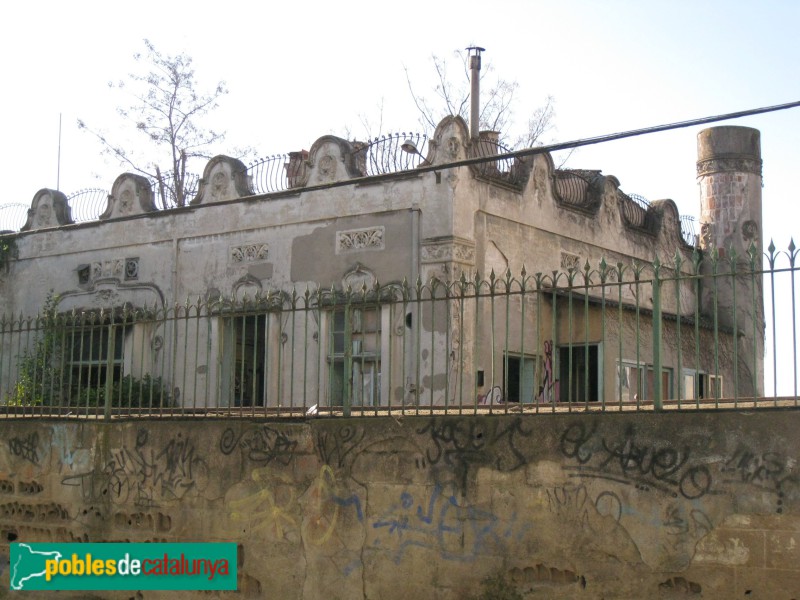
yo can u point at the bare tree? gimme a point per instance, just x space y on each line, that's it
451 97
371 126
167 109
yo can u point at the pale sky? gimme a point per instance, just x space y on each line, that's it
297 71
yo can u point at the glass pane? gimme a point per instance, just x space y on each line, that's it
337 383
629 381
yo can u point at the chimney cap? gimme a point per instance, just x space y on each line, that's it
728 141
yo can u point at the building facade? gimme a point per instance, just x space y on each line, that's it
378 275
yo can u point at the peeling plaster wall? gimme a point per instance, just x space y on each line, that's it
701 504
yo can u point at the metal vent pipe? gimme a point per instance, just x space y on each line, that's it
475 92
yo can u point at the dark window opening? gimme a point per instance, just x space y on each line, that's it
520 377
574 371
250 353
94 349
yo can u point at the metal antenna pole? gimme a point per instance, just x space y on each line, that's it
58 173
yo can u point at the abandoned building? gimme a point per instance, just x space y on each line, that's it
374 274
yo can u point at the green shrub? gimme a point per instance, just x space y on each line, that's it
127 392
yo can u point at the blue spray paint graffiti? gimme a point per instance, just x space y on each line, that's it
444 523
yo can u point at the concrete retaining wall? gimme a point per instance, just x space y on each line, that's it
671 505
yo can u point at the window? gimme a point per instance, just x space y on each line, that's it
574 371
520 378
689 383
95 353
251 350
701 385
713 388
637 382
249 355
354 356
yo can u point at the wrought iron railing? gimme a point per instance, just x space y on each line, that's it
689 230
509 171
392 153
13 216
683 335
634 209
275 173
88 204
166 192
574 187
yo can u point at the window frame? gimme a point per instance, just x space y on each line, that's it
358 352
595 379
645 380
536 363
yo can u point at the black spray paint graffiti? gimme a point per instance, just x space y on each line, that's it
148 475
262 444
574 504
684 526
630 461
768 471
462 443
26 448
338 448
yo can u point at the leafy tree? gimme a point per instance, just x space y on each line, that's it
167 108
451 96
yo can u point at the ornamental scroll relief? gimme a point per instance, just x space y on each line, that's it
448 252
352 240
248 253
570 261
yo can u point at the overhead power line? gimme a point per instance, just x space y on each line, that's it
548 148
613 136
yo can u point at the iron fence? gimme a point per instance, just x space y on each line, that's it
614 336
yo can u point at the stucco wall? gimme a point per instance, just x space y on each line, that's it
671 505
